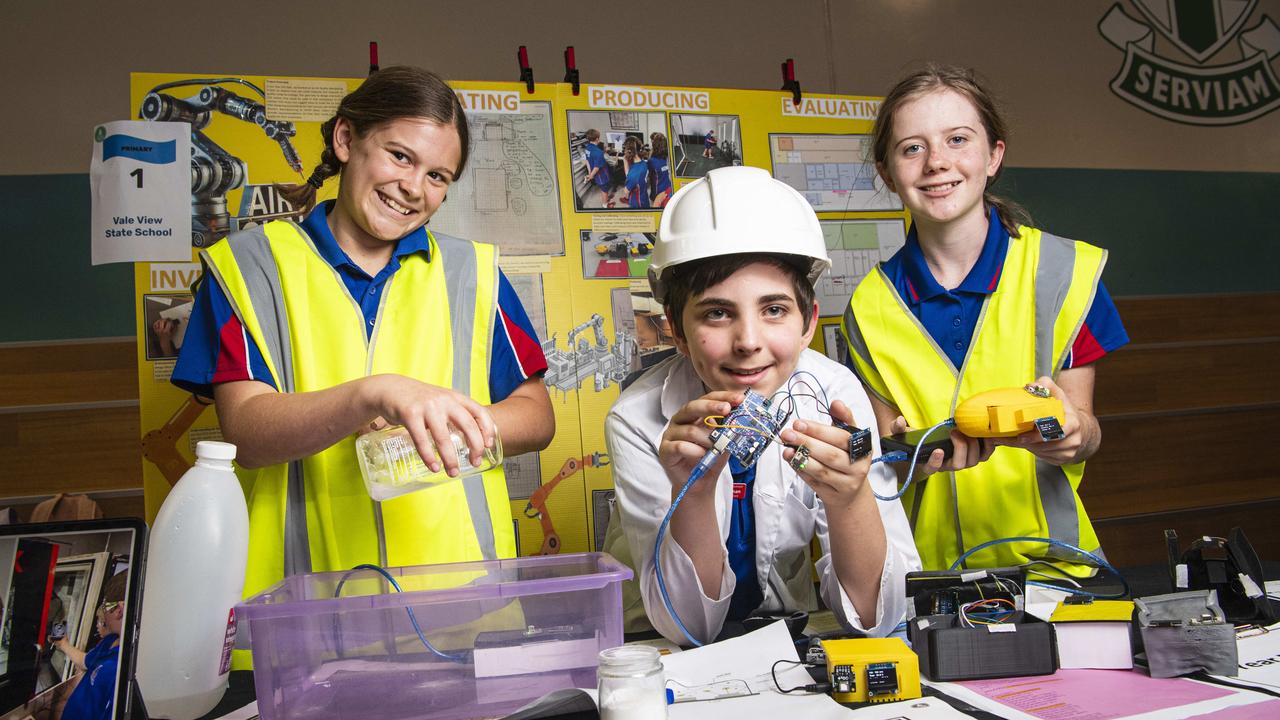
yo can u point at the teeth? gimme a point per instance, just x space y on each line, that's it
944 186
395 205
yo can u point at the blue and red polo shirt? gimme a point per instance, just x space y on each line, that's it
950 316
638 184
95 694
217 349
597 161
659 175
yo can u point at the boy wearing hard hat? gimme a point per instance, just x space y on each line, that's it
734 266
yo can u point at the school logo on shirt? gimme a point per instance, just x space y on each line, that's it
1238 87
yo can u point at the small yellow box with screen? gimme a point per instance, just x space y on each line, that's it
872 670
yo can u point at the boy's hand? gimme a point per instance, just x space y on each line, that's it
965 451
687 439
836 479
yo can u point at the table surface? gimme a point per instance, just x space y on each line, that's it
1143 581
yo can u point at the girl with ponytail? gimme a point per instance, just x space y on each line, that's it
977 299
307 334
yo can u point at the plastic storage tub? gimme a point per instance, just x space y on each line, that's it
494 635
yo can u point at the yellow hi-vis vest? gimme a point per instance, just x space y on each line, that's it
434 324
1025 330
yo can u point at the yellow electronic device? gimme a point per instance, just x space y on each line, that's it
1006 412
872 670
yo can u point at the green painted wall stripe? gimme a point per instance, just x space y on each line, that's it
1168 233
51 291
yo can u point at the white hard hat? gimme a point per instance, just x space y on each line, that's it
736 210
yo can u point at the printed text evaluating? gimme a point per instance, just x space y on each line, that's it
489 101
831 108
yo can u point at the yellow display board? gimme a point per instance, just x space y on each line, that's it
576 254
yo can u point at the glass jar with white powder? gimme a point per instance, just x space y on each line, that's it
632 685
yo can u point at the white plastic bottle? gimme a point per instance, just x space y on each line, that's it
196 559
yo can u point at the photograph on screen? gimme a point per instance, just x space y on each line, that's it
65 630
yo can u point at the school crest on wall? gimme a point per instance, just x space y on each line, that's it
1230 77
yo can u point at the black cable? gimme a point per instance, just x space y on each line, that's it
811 688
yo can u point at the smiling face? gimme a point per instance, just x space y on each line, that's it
394 178
747 331
939 159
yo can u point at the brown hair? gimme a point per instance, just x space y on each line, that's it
593 135
963 81
395 92
659 142
688 280
113 590
631 146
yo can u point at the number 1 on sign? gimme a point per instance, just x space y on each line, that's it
137 174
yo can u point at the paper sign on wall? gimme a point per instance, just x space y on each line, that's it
140 183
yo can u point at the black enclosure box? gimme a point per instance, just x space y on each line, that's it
1025 645
1019 644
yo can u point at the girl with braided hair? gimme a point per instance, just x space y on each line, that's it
306 334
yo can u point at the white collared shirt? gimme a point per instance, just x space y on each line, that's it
788 513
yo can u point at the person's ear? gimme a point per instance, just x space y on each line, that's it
813 324
997 157
343 135
677 332
884 175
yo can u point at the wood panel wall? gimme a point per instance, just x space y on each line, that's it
1187 410
69 424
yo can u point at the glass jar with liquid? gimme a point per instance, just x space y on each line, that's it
391 465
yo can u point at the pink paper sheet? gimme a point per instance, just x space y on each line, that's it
1093 694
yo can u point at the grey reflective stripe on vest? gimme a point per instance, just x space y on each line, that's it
252 252
460 275
858 346
918 497
1054 273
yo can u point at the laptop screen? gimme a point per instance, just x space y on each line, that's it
71 593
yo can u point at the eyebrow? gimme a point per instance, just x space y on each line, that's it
764 300
951 130
401 147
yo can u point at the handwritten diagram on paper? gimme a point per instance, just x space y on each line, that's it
508 195
835 173
855 246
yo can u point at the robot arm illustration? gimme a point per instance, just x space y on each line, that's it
537 505
159 445
214 171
